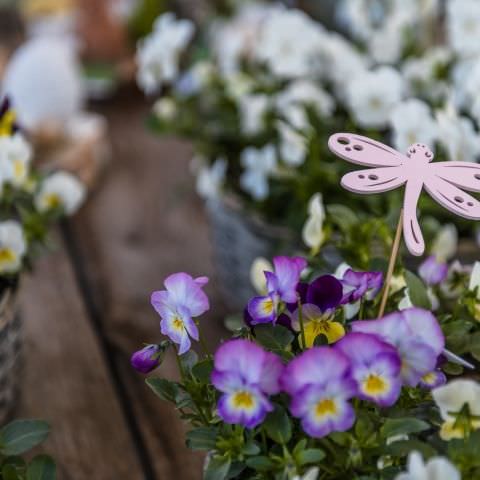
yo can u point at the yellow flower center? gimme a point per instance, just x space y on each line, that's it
268 306
429 378
178 324
6 123
325 407
375 385
243 400
7 255
52 200
19 169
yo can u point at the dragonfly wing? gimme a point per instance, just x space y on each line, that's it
453 198
412 233
364 151
374 180
461 174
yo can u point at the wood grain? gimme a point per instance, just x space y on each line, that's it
66 380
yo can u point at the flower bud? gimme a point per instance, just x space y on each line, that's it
147 359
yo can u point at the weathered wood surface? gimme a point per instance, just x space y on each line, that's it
66 381
143 222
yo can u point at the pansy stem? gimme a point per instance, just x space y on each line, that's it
391 265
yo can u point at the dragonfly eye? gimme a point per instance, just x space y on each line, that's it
373 177
459 199
343 141
358 148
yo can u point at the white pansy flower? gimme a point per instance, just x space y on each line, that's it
238 84
165 108
210 179
313 233
52 63
463 26
421 73
457 134
437 468
290 43
312 474
372 96
15 158
257 274
451 399
13 246
293 145
158 54
235 39
252 113
412 122
475 279
445 244
258 165
344 61
406 301
60 190
301 93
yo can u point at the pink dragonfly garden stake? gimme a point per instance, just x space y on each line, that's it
389 169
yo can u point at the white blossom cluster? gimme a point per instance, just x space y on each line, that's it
394 74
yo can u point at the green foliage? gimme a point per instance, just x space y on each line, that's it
417 291
17 438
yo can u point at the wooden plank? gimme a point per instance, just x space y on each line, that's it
66 381
143 224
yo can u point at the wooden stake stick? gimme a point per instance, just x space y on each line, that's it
391 265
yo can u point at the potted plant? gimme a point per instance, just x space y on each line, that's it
30 202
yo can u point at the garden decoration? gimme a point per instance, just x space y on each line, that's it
442 180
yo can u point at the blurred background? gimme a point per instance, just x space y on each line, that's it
71 71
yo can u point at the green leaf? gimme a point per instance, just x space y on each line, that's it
451 368
165 389
404 447
275 338
9 472
251 448
475 345
188 360
217 468
41 468
278 426
260 463
21 436
309 456
202 438
403 426
203 370
343 216
233 323
417 291
301 445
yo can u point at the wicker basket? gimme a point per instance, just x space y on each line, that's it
238 239
10 353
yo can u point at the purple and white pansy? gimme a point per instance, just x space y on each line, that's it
416 335
375 367
178 305
320 385
246 375
281 287
432 271
359 285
